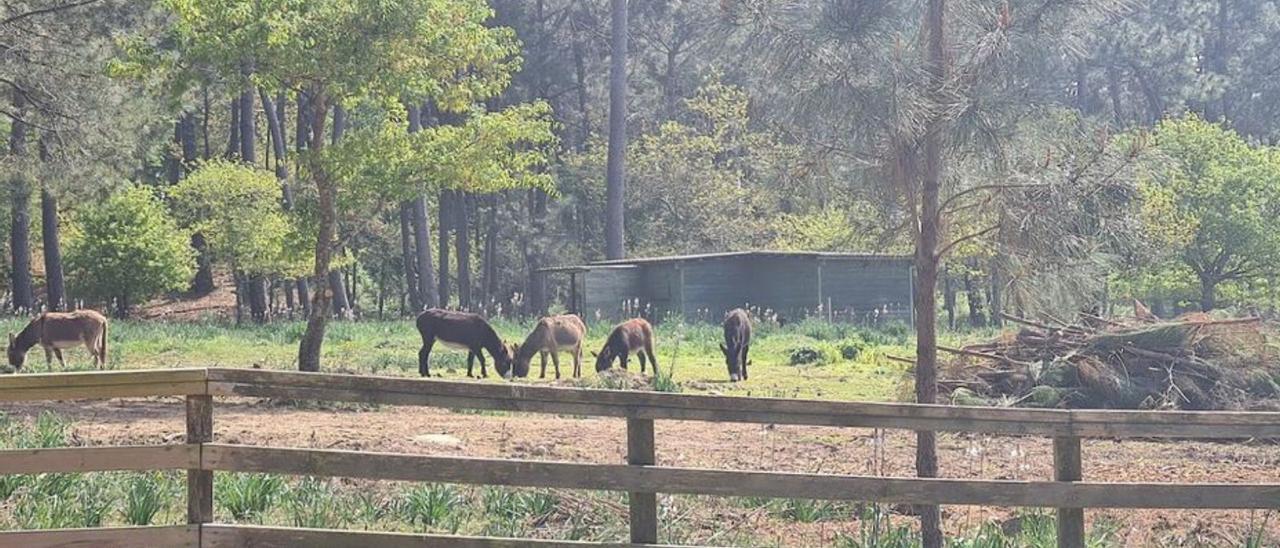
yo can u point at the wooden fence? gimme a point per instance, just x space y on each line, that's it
201 457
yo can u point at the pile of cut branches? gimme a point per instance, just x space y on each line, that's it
1195 361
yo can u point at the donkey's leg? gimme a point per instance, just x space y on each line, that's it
643 362
555 358
624 357
58 352
543 356
483 372
577 361
471 362
48 357
424 359
746 349
653 360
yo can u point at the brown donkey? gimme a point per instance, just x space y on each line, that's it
630 336
465 331
550 336
55 331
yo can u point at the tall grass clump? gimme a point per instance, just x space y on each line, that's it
146 495
247 496
432 506
315 504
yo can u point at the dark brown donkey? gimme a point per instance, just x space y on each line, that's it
737 341
629 336
55 331
465 331
550 336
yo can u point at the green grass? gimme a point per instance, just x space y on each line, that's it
688 354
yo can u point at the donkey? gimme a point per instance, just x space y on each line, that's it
550 336
465 331
55 331
737 342
634 335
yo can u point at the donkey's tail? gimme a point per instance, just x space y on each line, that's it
102 345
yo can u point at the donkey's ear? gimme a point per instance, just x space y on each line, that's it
594 354
11 338
724 348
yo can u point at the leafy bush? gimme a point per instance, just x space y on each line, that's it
809 355
128 249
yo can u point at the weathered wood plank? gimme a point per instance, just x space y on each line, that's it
389 466
100 378
102 392
108 537
642 505
652 405
1067 467
240 536
199 477
99 459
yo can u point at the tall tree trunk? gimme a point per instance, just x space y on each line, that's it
422 252
927 267
205 111
410 258
301 136
616 183
536 290
490 282
55 287
173 158
326 194
1208 293
276 130
462 239
996 295
949 298
974 296
445 218
254 281
187 141
341 300
584 110
233 137
20 203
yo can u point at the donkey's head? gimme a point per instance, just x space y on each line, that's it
502 362
519 365
16 356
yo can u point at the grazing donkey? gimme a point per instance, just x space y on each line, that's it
55 331
465 331
630 336
737 341
550 336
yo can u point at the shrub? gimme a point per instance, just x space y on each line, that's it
809 355
313 503
128 249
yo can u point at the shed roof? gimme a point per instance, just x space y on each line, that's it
624 263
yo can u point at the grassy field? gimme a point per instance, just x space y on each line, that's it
807 359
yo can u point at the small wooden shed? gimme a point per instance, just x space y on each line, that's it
854 287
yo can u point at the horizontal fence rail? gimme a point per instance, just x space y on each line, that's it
640 477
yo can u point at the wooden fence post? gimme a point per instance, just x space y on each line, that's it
1067 467
199 482
643 507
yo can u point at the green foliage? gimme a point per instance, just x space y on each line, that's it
146 495
490 152
1222 194
237 208
127 247
431 506
247 496
314 503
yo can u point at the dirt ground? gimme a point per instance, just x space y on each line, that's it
722 446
